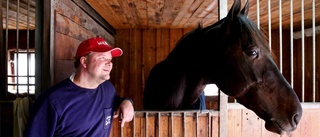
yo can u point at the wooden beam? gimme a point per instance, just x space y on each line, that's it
223 104
95 16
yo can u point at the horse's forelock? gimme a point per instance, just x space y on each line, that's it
255 35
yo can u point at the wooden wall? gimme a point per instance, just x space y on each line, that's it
72 26
241 123
143 48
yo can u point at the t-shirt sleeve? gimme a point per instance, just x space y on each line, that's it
43 119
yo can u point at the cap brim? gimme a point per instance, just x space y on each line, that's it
116 52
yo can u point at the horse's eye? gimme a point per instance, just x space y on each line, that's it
252 53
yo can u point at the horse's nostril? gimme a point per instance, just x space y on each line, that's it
295 119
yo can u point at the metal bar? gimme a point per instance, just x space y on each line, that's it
3 55
28 44
269 24
313 52
146 116
121 129
134 125
258 13
302 52
291 40
184 124
171 124
17 46
280 35
158 123
209 124
197 119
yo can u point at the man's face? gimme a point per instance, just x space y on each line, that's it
99 65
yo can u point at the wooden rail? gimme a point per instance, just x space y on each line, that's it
241 123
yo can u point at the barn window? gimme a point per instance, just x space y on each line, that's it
21 72
211 90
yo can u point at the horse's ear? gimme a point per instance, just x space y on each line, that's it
234 12
245 9
200 24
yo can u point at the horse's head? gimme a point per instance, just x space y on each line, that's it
247 71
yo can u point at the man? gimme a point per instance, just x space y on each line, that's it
84 103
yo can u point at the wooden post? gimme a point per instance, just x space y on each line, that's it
223 104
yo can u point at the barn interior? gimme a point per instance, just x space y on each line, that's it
43 35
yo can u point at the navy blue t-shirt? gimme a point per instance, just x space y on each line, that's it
71 111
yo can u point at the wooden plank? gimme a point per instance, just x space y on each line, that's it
190 126
119 73
135 73
142 12
310 123
151 13
190 12
162 44
177 126
182 13
115 130
214 126
203 126
128 12
251 124
67 27
148 53
140 127
152 125
175 36
102 8
66 48
118 12
74 19
173 8
202 11
164 126
127 130
234 122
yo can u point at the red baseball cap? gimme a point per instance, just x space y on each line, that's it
96 45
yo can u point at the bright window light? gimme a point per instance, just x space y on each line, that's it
211 90
20 67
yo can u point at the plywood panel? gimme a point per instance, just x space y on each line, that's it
234 122
310 123
251 124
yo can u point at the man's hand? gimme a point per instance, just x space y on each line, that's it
126 111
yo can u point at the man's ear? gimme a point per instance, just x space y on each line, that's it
83 61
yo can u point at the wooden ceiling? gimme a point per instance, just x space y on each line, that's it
26 14
188 13
122 14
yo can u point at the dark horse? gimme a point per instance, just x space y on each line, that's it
233 54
